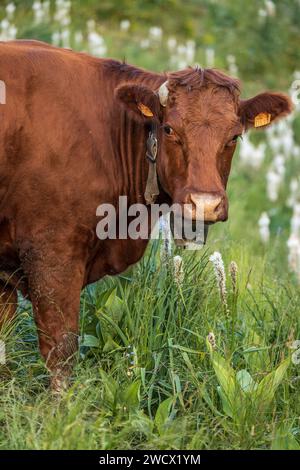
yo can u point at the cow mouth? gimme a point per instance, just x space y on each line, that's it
199 237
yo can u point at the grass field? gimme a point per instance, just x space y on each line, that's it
147 377
186 360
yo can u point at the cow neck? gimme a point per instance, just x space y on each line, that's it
132 142
139 148
131 161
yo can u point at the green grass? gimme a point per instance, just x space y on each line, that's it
145 376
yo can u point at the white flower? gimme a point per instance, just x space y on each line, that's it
12 32
91 25
5 24
212 339
65 21
217 261
294 193
96 44
65 38
95 39
293 245
172 43
78 37
273 185
270 7
232 64
55 38
41 11
183 55
181 49
155 32
124 25
210 57
293 242
296 151
190 51
275 142
294 185
262 13
178 270
279 165
233 270
10 9
9 31
166 247
250 155
264 223
62 12
37 5
145 43
295 221
287 142
38 11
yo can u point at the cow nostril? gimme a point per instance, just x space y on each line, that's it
218 204
209 207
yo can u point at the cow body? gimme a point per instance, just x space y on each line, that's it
67 145
65 148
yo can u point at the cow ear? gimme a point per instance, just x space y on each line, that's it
142 102
264 109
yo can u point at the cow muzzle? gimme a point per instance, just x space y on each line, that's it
198 211
208 207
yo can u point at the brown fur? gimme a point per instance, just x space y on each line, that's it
67 144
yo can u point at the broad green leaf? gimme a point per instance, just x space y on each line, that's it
163 413
110 387
227 407
267 387
115 327
256 353
113 303
110 345
208 400
90 341
131 395
245 380
225 375
103 297
111 311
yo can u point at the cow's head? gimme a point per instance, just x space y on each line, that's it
201 118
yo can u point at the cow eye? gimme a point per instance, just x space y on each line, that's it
168 130
234 139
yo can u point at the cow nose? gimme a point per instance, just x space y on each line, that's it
210 207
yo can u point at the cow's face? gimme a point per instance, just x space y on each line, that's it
200 117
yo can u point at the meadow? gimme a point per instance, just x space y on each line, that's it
188 349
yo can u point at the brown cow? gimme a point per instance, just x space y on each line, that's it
73 135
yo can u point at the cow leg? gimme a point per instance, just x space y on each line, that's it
57 326
8 303
55 278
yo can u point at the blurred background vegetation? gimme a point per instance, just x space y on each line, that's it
263 36
145 377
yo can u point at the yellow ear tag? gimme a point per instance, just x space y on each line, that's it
262 119
145 110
